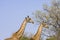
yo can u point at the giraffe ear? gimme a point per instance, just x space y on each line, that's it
28 16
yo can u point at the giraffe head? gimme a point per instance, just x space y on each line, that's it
29 20
45 25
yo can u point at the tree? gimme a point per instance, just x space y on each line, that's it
50 15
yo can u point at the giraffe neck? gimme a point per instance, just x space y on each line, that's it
38 34
20 32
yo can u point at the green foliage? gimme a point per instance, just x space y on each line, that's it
52 38
24 38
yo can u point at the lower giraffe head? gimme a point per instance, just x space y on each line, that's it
45 25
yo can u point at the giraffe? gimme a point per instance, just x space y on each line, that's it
17 35
37 36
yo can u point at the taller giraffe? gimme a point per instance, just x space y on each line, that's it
37 36
17 35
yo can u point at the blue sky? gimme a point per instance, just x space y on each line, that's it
13 12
